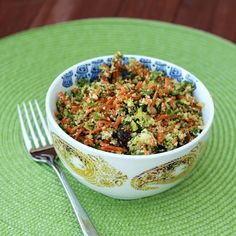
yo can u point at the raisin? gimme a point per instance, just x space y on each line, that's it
160 148
122 137
186 139
144 107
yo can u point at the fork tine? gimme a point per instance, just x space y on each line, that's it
23 129
36 142
41 137
43 122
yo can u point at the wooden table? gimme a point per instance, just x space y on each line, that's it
215 16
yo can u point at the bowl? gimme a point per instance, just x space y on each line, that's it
118 175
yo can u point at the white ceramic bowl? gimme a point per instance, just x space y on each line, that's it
118 175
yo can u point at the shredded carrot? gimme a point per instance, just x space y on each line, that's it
119 85
154 98
149 102
65 121
160 94
77 136
88 111
62 96
100 123
151 86
146 152
160 134
152 110
181 97
103 143
190 124
162 117
123 91
168 82
160 137
104 81
109 101
139 85
174 140
116 74
191 99
121 98
74 109
117 122
74 89
172 101
113 148
136 97
88 141
71 130
175 116
197 107
110 104
96 131
171 128
166 90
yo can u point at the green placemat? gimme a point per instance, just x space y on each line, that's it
32 202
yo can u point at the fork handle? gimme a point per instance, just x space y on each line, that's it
85 223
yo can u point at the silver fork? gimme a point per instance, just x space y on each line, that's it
41 150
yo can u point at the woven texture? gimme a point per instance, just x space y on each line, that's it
32 202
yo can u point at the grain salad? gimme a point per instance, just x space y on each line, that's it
130 109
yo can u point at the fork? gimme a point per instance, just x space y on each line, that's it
42 150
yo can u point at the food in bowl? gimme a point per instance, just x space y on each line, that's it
130 109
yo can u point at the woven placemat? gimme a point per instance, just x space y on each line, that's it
32 202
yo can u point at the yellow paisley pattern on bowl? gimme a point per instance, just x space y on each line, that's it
93 169
167 173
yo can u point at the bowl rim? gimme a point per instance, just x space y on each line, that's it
77 144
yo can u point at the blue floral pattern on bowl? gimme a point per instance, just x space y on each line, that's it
109 61
159 66
125 60
82 71
67 79
147 62
95 69
91 69
176 74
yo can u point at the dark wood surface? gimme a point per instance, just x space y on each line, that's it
215 16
